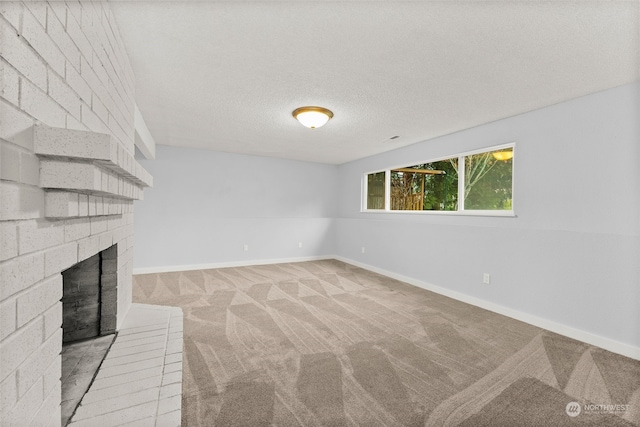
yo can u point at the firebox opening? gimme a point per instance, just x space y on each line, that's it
89 309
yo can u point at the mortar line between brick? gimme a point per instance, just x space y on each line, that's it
166 344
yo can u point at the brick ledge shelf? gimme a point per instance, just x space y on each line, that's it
86 173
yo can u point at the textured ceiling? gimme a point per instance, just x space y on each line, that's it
227 75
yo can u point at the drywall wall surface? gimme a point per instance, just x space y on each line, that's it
570 255
210 207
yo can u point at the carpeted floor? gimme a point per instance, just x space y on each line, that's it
327 343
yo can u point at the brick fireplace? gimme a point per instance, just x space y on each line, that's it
88 185
68 179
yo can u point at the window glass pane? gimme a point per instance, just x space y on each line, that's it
428 186
488 180
375 190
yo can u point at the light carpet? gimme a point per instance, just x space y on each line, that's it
325 343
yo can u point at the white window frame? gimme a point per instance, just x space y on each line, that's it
461 179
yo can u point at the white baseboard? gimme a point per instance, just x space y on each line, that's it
568 331
167 269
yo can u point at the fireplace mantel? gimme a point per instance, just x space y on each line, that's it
86 173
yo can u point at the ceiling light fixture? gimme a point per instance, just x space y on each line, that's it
312 117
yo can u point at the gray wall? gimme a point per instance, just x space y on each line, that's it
205 206
572 253
570 256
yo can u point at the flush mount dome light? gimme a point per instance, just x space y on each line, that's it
312 117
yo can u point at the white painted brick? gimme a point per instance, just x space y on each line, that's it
8 240
92 205
17 53
34 235
56 10
74 12
52 319
112 183
51 377
115 403
19 273
78 84
60 258
169 419
68 175
172 378
64 95
37 362
98 225
13 350
55 28
8 393
98 107
170 390
76 229
61 204
114 206
20 201
9 162
55 416
123 360
74 124
38 299
49 409
29 169
9 89
106 240
26 407
88 247
173 367
100 205
130 368
104 182
76 34
122 389
12 11
120 417
89 76
120 234
100 71
39 11
33 31
83 205
72 143
92 121
16 126
87 22
7 318
36 103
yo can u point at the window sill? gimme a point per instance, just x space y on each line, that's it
507 214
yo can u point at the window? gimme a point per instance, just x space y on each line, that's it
425 187
484 183
375 190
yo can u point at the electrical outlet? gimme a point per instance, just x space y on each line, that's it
363 249
246 248
299 244
486 278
